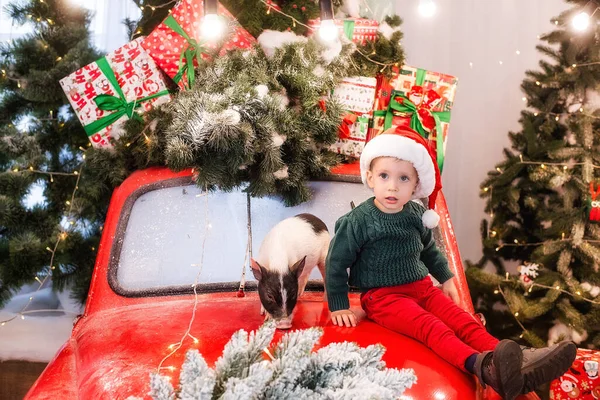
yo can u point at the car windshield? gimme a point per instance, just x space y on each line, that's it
174 234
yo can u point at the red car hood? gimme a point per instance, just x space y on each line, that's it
116 350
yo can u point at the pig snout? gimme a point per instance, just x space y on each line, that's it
285 323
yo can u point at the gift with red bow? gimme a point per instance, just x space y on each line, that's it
419 99
357 94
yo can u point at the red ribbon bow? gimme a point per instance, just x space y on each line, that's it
595 211
347 122
425 101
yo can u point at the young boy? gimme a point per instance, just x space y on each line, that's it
388 245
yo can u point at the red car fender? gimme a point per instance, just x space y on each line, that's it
59 379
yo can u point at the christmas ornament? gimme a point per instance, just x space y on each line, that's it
527 273
595 204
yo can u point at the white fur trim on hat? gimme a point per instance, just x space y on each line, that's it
402 148
430 219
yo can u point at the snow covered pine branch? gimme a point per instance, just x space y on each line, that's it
336 371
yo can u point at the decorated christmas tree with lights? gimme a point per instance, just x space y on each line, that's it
267 97
41 146
542 200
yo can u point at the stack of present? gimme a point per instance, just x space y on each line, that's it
413 97
128 81
358 30
419 99
581 381
357 96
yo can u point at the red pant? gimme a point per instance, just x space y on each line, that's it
423 312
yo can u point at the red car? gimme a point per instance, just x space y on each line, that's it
141 299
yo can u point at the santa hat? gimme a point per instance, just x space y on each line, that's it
406 144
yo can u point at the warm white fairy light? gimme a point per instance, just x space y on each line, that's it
212 27
328 31
61 236
581 21
173 348
427 8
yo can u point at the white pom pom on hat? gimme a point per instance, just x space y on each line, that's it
405 144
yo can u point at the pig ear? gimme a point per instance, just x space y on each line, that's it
298 267
256 269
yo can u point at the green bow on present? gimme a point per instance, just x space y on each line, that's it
119 104
349 28
408 107
193 50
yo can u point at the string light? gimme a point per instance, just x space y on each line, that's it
427 8
212 26
581 21
174 348
61 236
328 31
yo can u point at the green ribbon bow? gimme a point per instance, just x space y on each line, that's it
408 107
349 28
119 104
193 50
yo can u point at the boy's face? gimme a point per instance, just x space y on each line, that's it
393 181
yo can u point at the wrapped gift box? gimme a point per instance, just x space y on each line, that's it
419 99
359 30
106 93
357 94
177 46
581 382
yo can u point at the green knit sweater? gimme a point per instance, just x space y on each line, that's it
381 250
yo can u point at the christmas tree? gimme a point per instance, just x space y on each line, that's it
272 111
541 199
41 146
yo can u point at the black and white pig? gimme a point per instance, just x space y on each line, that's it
287 255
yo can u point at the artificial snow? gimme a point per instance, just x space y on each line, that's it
271 40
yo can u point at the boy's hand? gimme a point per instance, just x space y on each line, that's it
449 289
343 317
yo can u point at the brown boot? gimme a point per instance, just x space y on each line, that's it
546 364
501 369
